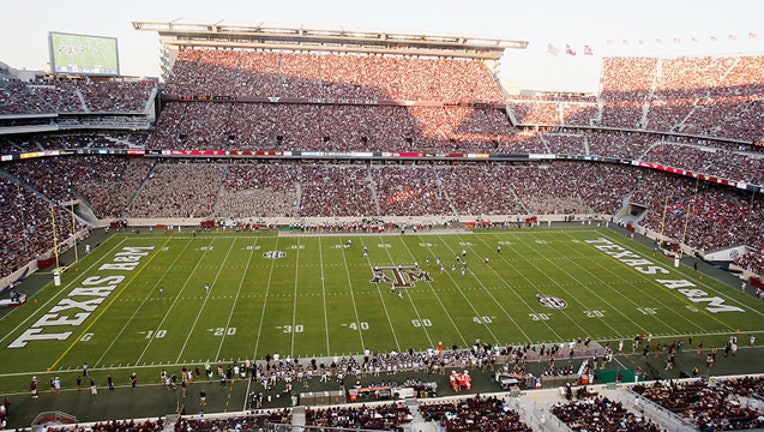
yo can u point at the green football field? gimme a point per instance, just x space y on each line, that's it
139 301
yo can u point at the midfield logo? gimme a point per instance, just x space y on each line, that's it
400 276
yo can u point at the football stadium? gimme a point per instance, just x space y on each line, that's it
303 228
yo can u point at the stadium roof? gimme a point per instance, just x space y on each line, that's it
223 34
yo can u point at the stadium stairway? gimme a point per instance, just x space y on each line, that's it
81 98
373 187
510 116
298 192
298 416
140 187
418 422
84 211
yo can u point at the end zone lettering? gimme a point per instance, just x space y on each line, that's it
645 266
73 309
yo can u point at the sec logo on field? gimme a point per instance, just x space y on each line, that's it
551 302
274 254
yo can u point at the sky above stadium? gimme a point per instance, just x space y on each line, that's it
645 27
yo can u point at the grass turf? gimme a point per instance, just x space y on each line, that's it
311 296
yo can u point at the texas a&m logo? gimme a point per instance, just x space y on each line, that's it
399 276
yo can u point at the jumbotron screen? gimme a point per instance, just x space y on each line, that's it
83 54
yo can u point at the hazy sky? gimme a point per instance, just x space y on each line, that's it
577 22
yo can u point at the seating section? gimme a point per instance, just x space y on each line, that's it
248 190
389 417
274 74
474 414
717 97
178 190
73 96
330 125
27 219
708 405
600 414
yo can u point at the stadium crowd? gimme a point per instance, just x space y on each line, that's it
712 405
715 216
692 95
336 190
25 225
116 187
389 417
723 163
98 140
178 189
327 127
254 421
314 75
708 96
256 190
474 414
600 414
689 95
714 97
63 95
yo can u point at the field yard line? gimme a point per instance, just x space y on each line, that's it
445 311
235 301
588 289
681 271
700 309
204 303
459 288
159 326
265 302
352 297
487 291
522 275
294 302
384 305
554 281
323 294
108 305
43 308
135 312
605 268
413 305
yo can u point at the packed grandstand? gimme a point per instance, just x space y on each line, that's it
680 137
697 115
